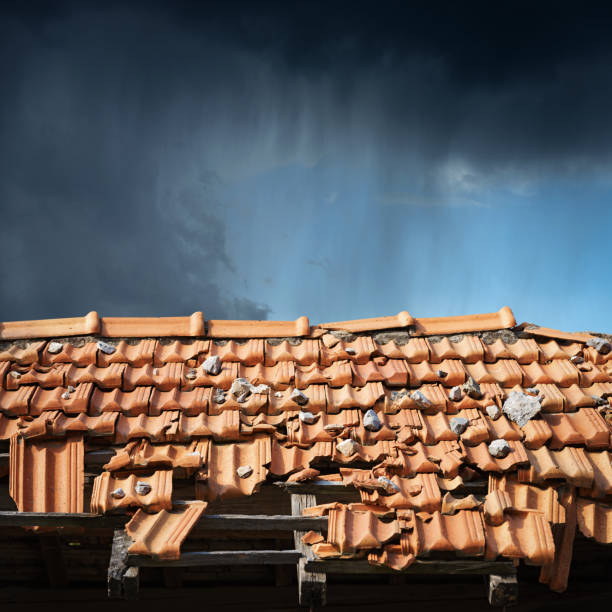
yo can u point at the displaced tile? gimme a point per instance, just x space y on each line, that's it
16 403
122 327
502 319
595 520
402 319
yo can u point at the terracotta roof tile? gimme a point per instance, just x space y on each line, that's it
16 403
46 328
306 352
552 350
523 350
391 371
77 355
281 401
469 349
249 353
141 454
131 403
104 378
453 373
160 535
163 378
502 319
414 350
45 377
359 350
190 403
176 352
595 520
355 397
505 372
480 457
23 356
546 332
136 355
70 402
152 326
258 329
338 374
47 476
225 427
154 428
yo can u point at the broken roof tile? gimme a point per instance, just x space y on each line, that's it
360 350
23 355
425 372
16 403
595 520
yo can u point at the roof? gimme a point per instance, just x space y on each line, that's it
408 411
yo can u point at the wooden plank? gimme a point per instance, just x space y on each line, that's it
221 557
312 585
122 580
234 522
503 590
335 486
462 567
53 559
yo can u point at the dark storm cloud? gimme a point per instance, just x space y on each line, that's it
122 123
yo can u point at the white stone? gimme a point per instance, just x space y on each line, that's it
371 421
244 471
15 374
493 411
71 389
347 447
191 375
278 394
499 448
388 485
65 395
307 417
472 388
334 428
299 397
219 396
142 488
105 347
118 493
351 351
455 394
420 400
458 425
243 397
521 408
240 386
260 388
212 365
55 347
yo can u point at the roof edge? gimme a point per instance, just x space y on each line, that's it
502 319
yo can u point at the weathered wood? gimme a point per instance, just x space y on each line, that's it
335 486
53 559
503 590
361 566
122 580
234 522
221 557
312 585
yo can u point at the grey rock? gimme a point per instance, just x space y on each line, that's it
212 365
532 391
259 389
55 347
334 428
602 346
455 394
420 400
458 425
472 388
493 411
219 396
278 394
371 421
118 493
71 389
388 485
347 447
65 395
299 397
243 397
499 448
244 471
350 351
191 374
520 407
307 417
576 359
240 386
142 488
105 347
441 374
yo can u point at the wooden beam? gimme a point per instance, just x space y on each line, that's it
51 548
122 580
221 557
503 590
312 585
336 486
462 567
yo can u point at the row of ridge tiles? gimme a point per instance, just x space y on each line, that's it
195 325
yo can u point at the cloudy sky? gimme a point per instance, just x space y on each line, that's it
260 161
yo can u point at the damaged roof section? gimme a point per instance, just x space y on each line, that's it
406 411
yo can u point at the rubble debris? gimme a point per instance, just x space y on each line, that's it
420 400
602 346
244 471
499 448
458 425
371 421
472 388
521 408
299 397
576 359
243 397
307 417
191 374
388 485
347 447
65 395
142 488
240 386
212 365
455 394
493 411
55 347
219 396
105 347
452 504
118 493
532 391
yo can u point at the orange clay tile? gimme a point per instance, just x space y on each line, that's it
524 535
46 328
16 403
338 374
160 535
592 355
141 454
426 372
254 404
492 393
553 350
305 352
477 430
102 426
435 394
585 427
506 372
420 493
23 356
351 531
354 397
359 350
104 378
393 556
480 457
538 432
391 371
132 403
77 355
47 476
502 319
326 428
523 350
434 428
449 533
160 428
113 492
277 377
234 470
562 372
563 433
574 397
190 403
176 351
44 377
469 349
286 460
198 377
258 329
136 355
163 378
601 463
60 398
413 351
554 400
402 319
225 427
590 374
280 401
247 353
122 327
496 505
8 428
546 332
595 520
571 464
448 456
